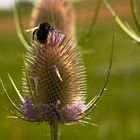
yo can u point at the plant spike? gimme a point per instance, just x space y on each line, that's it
17 91
13 104
28 82
30 88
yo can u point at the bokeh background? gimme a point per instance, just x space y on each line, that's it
118 113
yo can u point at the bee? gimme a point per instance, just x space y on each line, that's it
41 32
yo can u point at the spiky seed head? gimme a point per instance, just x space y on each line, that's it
57 77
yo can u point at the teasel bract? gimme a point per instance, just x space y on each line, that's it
54 80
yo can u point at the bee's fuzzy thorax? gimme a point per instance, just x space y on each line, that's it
57 76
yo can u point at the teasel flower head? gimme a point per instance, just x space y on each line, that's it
54 81
54 84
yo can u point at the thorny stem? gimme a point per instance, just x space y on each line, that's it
54 131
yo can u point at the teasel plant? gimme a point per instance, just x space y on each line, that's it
53 79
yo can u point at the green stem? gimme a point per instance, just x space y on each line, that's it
133 11
19 26
54 131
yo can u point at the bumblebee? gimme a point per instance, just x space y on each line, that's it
41 32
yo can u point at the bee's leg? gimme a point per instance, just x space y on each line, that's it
33 37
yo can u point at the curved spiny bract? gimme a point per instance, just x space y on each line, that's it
57 78
57 12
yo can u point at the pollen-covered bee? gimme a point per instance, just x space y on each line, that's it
41 32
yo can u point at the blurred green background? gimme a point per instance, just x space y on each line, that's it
117 114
